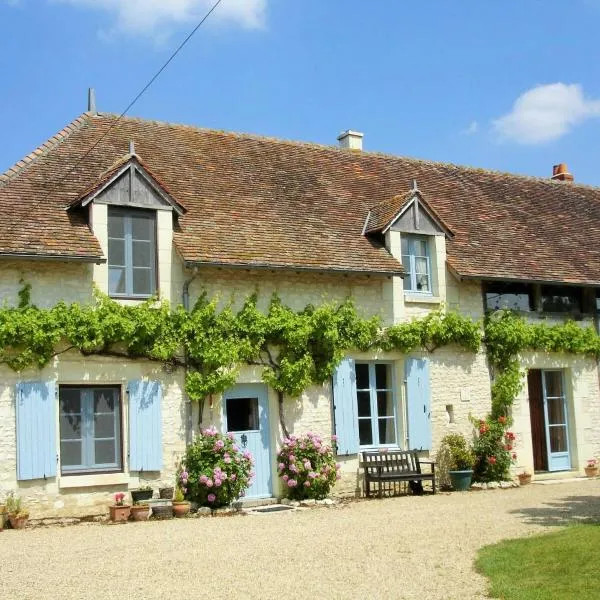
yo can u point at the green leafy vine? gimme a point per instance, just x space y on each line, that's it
295 349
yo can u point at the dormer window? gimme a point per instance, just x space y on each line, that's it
131 252
417 264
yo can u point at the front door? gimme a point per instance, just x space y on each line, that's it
557 427
246 415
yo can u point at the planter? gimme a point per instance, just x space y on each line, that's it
524 478
138 496
120 513
180 509
162 511
140 512
3 516
461 480
166 493
591 471
18 522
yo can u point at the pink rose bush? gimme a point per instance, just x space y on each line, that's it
307 467
217 472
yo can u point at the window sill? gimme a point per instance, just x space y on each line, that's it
415 298
76 481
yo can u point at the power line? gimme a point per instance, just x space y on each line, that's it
141 93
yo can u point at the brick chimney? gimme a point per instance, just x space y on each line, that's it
351 140
561 173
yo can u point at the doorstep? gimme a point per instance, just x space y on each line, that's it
253 502
548 478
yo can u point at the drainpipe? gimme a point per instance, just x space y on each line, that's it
185 297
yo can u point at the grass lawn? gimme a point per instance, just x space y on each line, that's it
560 565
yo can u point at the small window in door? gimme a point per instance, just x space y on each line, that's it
242 414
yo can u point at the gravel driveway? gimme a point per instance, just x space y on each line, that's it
407 547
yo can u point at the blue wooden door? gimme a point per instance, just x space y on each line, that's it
246 415
557 421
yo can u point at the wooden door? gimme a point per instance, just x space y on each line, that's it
538 420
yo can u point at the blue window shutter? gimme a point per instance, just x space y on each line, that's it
36 430
345 408
418 398
145 426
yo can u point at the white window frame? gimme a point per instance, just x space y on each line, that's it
374 417
126 215
87 431
411 240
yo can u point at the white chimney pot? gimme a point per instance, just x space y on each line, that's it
351 140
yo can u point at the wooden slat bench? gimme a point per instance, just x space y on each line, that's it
395 465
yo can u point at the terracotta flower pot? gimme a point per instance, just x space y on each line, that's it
591 471
180 509
18 522
120 513
524 478
140 512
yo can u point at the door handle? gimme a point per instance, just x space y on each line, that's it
244 440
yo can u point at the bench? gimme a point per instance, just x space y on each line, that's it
396 465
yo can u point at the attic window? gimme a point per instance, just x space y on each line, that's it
417 264
131 253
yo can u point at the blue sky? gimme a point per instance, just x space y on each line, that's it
504 85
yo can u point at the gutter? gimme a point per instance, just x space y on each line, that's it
84 258
190 264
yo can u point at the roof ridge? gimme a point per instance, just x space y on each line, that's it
44 148
355 153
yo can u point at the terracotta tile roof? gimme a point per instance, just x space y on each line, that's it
263 202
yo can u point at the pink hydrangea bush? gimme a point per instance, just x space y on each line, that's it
217 471
307 467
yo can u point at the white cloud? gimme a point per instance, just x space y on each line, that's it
546 113
472 129
157 17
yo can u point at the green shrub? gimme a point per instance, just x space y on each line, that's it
459 453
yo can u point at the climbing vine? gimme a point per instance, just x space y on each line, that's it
508 334
295 348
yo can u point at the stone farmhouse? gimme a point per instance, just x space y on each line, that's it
158 209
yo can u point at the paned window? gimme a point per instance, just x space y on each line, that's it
131 253
416 263
376 405
90 429
511 296
561 299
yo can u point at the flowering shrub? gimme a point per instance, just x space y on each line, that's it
215 471
307 467
592 463
494 449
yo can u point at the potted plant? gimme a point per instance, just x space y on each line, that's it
142 493
3 516
591 468
17 515
524 478
120 511
140 511
460 461
181 506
